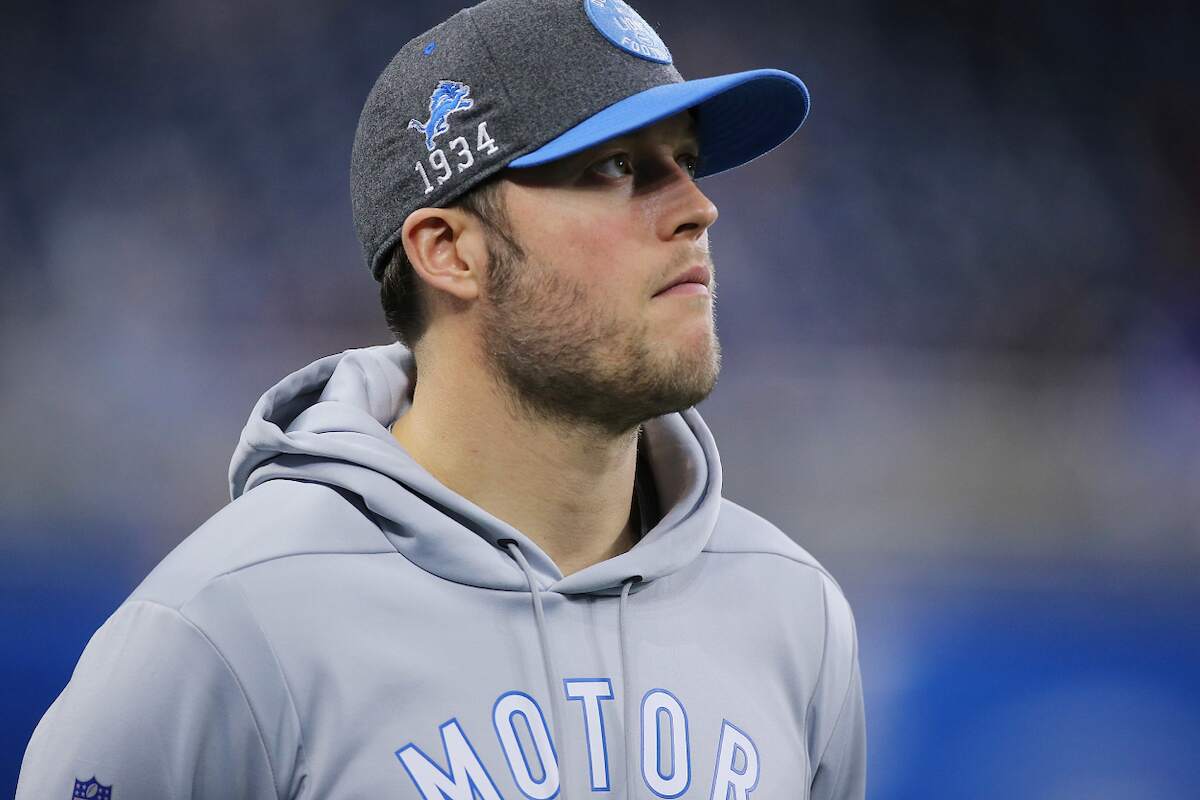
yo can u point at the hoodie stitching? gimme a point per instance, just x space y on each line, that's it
232 674
287 688
283 556
794 559
390 552
841 713
809 769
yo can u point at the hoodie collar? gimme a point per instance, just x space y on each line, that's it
329 423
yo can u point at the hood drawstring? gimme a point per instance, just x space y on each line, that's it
551 672
547 661
626 683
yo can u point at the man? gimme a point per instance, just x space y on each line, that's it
514 575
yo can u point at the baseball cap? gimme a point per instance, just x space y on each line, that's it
518 83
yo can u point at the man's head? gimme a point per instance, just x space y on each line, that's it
524 171
584 285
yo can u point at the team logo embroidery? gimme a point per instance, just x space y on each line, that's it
91 789
448 98
625 28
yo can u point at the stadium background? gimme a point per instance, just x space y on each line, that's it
960 316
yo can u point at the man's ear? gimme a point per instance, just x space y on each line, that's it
447 250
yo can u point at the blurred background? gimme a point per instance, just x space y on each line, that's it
960 315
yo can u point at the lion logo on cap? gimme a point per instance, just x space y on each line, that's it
448 98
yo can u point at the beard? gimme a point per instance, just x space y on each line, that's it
560 354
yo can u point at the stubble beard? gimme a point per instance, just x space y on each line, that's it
558 356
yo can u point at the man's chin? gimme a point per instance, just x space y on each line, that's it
690 383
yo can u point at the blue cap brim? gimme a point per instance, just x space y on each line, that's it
739 117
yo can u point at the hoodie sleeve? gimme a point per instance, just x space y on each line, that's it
838 718
152 710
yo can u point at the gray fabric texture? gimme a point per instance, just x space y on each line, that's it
349 627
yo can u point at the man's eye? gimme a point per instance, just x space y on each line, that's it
615 166
619 165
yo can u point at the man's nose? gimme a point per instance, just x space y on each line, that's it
687 210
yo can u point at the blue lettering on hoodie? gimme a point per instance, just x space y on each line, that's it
664 741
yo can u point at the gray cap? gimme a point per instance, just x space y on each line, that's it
516 83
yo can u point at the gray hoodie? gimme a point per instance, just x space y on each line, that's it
348 627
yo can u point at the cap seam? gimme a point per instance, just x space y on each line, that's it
491 57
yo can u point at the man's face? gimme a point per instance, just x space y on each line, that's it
573 317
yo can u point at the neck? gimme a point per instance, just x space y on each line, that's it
569 488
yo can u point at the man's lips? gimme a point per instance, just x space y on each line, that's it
694 280
683 289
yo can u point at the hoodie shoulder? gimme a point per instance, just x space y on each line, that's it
277 519
740 530
835 710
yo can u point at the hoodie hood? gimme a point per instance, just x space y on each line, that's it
330 423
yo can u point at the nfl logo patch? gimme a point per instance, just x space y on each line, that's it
91 789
